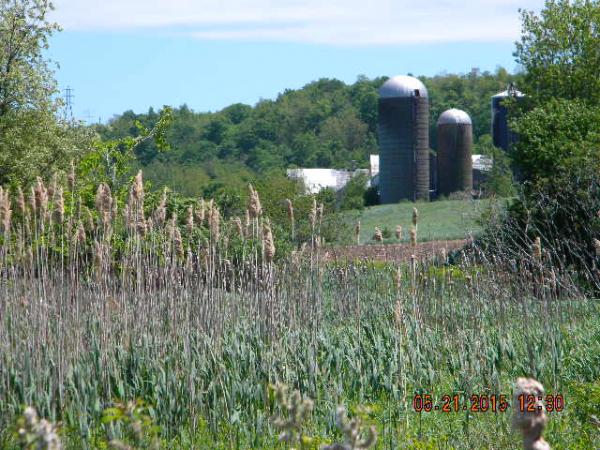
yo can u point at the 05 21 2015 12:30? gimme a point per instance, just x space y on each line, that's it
486 403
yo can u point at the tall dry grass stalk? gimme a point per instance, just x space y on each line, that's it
357 232
415 217
254 205
268 242
290 214
399 232
536 249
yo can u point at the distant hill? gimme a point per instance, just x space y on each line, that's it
325 124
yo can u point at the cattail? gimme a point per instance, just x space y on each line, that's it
399 232
531 424
378 235
415 217
597 247
189 223
71 177
357 232
214 221
160 215
254 206
268 244
200 212
413 236
537 249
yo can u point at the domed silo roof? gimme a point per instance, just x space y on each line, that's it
402 86
454 116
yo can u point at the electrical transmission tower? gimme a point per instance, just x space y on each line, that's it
69 105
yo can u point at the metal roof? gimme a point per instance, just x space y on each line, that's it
454 116
402 86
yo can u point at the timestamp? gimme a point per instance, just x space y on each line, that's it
496 403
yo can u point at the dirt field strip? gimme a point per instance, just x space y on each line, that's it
392 252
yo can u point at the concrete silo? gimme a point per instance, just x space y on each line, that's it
501 134
455 146
403 129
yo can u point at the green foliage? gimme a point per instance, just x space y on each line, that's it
131 427
353 194
557 139
32 141
325 124
558 51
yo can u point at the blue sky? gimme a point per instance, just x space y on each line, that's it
133 54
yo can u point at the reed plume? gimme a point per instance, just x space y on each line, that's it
160 214
415 217
59 205
537 249
200 212
5 211
597 247
399 232
413 236
268 244
254 205
21 201
378 236
214 222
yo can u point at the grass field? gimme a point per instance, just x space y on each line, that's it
167 334
438 220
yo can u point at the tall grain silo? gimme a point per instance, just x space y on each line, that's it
403 129
501 134
455 147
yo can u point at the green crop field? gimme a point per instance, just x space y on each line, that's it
438 220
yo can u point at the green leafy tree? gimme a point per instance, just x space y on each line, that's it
557 139
559 52
32 140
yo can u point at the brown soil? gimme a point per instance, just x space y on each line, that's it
391 252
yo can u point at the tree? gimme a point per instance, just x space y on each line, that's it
559 51
558 139
32 140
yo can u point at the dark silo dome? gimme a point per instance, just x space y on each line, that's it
402 86
454 116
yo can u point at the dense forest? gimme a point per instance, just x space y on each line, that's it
325 124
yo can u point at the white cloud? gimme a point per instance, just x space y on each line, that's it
337 22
